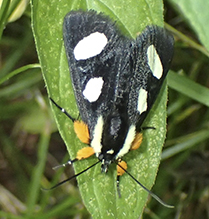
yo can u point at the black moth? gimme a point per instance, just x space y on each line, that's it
116 80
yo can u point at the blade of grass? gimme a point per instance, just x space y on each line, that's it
188 142
34 188
19 70
3 15
187 40
188 87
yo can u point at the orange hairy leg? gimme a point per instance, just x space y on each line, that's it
137 141
85 153
82 131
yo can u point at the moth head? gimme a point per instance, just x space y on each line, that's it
106 159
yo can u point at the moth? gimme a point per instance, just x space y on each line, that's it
116 80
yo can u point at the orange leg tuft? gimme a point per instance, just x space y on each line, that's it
120 171
137 141
85 153
82 131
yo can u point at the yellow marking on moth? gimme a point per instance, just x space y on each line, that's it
85 153
137 141
82 131
120 171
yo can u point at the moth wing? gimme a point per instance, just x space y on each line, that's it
93 73
151 56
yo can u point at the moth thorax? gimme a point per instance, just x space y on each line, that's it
113 136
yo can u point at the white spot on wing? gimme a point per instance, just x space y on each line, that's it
127 144
90 46
142 101
97 136
154 62
93 89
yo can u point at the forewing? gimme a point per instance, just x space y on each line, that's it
93 68
151 56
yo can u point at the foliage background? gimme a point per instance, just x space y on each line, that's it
30 145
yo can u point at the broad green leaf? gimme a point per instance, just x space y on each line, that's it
196 13
99 190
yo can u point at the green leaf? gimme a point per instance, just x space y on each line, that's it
99 190
196 13
4 7
189 88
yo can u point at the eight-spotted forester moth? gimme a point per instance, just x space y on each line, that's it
116 81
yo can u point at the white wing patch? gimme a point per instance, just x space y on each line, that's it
90 46
142 101
93 89
96 141
127 144
154 62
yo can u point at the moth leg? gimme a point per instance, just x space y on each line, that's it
81 129
120 172
82 132
146 127
138 138
84 153
137 141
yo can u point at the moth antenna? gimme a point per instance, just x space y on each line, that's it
69 162
146 189
72 177
62 110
